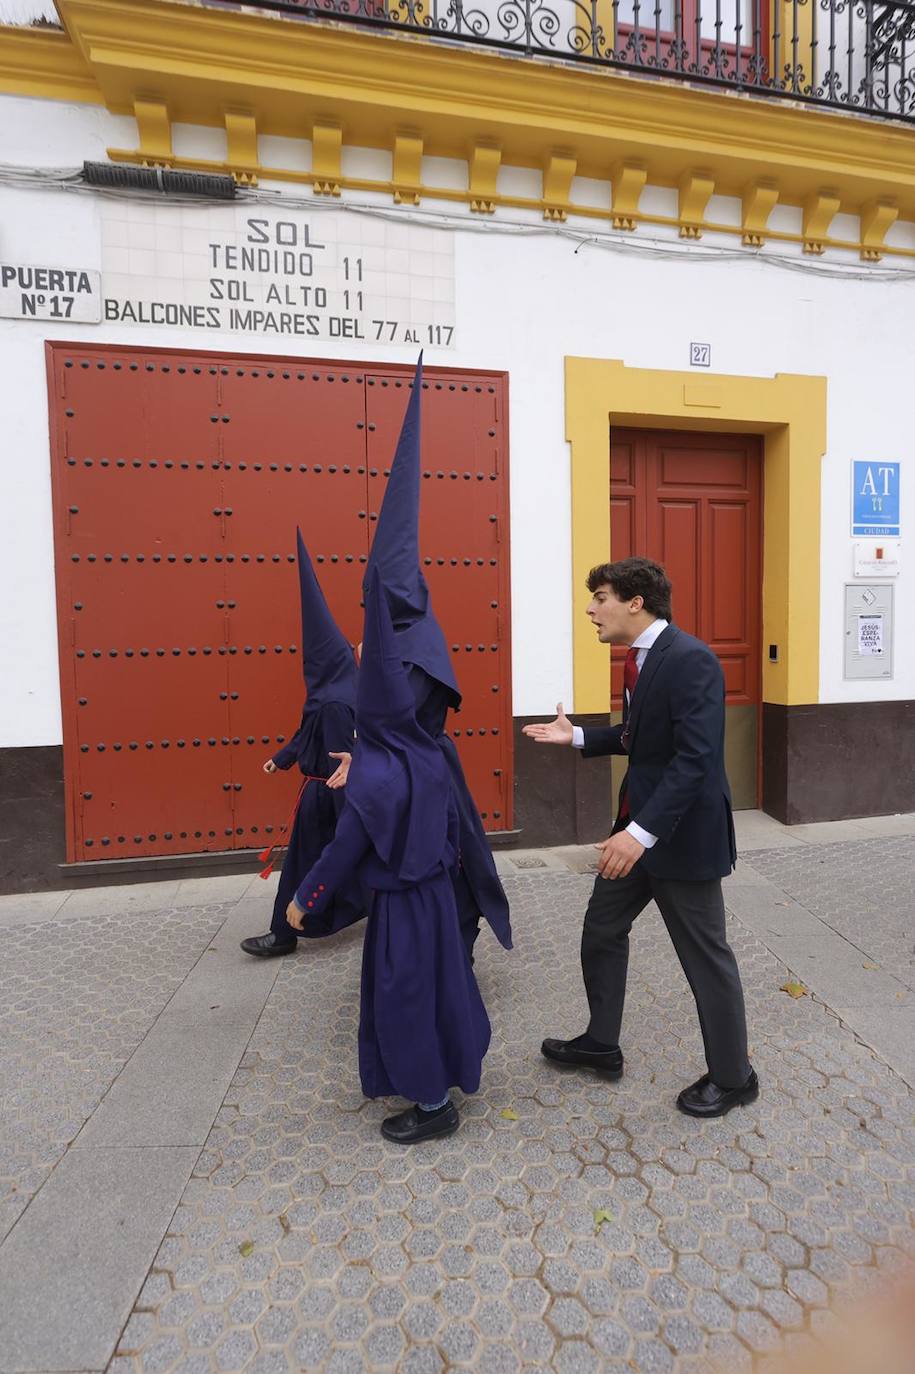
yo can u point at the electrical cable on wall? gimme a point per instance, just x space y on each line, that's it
71 179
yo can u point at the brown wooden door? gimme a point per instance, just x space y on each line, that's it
178 481
693 502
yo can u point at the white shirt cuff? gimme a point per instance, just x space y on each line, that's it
578 737
643 837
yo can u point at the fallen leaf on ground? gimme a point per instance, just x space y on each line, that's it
246 1248
601 1214
284 1222
870 966
509 1114
794 989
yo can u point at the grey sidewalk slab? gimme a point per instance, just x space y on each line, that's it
20 907
841 967
838 973
122 899
756 830
889 825
71 1268
170 1090
196 891
889 1030
766 910
830 832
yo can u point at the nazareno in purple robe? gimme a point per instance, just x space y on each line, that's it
328 718
423 1026
424 651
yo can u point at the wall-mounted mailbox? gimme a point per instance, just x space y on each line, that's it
869 630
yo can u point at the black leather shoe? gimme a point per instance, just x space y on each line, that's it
268 946
413 1125
569 1052
705 1098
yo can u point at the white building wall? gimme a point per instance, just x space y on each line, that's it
524 301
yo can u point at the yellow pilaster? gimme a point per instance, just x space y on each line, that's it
789 59
790 413
603 21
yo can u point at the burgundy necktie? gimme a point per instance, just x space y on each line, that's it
630 678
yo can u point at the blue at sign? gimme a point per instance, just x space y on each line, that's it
875 499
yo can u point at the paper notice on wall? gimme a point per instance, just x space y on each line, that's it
870 635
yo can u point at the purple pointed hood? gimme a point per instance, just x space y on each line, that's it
328 664
395 554
399 782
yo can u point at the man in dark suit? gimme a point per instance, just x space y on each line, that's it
673 838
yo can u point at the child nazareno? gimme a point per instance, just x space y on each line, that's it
327 724
423 1026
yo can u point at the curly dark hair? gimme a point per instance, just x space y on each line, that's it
631 577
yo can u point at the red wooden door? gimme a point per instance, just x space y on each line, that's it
693 502
178 482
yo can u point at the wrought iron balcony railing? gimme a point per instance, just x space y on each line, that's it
846 54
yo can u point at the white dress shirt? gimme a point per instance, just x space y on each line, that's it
641 645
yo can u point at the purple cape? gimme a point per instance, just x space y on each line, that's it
398 783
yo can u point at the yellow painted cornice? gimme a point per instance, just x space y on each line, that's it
44 62
287 74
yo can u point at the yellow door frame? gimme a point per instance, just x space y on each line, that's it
789 411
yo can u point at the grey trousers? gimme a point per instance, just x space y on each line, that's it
694 915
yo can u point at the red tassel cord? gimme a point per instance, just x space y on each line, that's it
265 854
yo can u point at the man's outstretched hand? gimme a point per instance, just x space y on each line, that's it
618 855
558 731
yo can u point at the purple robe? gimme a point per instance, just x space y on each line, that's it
324 729
327 725
423 1028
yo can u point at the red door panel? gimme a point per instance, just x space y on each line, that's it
693 502
128 609
674 534
178 482
160 408
154 802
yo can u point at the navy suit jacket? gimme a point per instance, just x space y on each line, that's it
677 786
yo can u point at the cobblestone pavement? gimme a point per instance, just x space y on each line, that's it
571 1224
77 998
863 890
